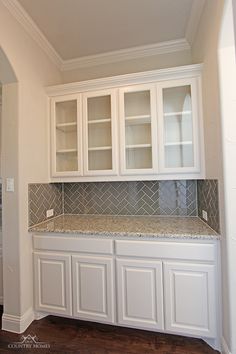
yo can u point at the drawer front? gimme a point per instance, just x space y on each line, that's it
168 250
73 244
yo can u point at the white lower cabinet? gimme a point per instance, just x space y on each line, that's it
93 288
52 282
140 293
156 285
190 302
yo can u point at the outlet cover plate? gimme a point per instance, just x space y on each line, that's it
204 215
49 213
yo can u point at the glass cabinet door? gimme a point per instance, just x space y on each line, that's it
179 127
99 132
138 129
66 151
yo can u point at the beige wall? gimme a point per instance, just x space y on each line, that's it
227 66
25 152
129 66
205 49
11 239
0 131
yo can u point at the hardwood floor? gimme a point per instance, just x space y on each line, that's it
66 336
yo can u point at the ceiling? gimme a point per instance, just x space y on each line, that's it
78 28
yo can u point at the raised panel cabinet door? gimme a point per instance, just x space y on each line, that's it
66 136
52 282
93 288
100 133
179 125
140 293
138 130
190 298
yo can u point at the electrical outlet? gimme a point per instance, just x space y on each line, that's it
204 215
10 184
49 213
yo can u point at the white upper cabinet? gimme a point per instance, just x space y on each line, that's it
144 126
66 133
178 126
100 133
138 129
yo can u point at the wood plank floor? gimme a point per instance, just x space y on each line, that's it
66 336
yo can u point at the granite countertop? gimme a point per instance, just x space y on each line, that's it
129 226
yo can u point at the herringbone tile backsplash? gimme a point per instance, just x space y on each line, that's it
131 198
43 197
177 198
208 201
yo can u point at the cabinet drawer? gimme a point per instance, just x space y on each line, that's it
173 250
73 244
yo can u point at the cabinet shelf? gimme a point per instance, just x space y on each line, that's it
142 119
179 143
171 114
98 121
67 127
66 151
138 146
100 148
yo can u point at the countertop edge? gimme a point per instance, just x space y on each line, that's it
119 234
128 234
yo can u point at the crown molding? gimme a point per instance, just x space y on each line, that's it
32 29
193 21
126 54
127 79
132 53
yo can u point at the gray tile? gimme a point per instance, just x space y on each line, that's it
125 198
131 198
43 197
208 201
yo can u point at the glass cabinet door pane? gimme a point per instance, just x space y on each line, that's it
99 133
99 108
178 127
137 103
138 139
66 136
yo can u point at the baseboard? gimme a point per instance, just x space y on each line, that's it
224 347
40 315
17 324
213 343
